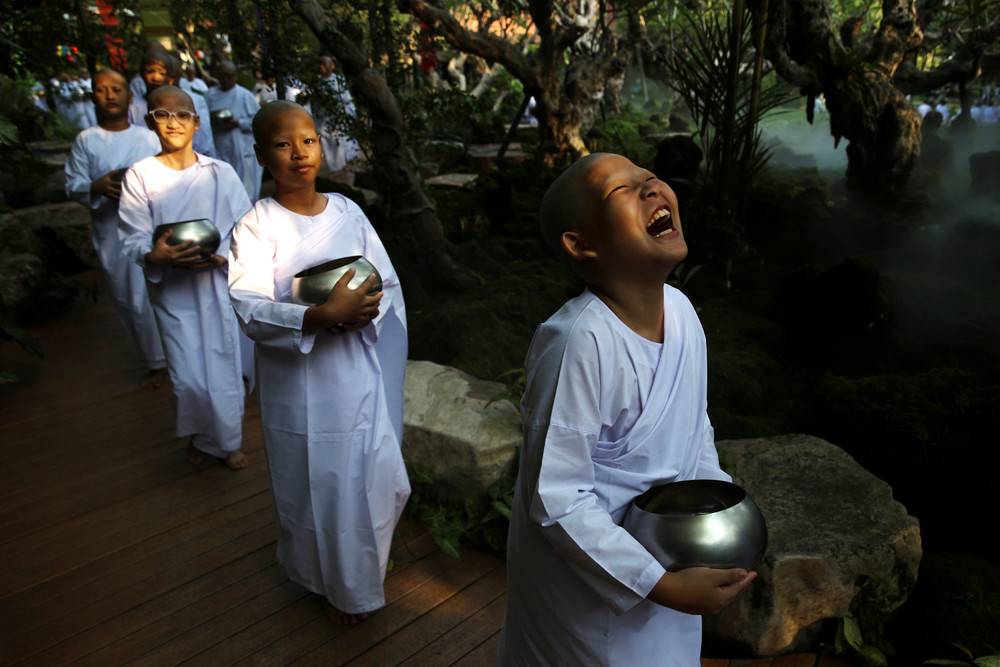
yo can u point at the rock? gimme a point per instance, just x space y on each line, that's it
64 232
448 427
838 542
19 276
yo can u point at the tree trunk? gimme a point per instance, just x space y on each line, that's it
856 78
884 133
409 209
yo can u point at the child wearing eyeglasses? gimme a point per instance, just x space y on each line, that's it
189 293
94 170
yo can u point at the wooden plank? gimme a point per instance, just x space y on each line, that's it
449 631
85 631
128 567
271 626
412 606
484 655
315 634
62 547
195 627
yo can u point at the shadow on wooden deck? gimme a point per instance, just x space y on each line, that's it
114 549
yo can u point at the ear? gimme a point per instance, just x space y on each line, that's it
150 123
130 96
576 246
260 160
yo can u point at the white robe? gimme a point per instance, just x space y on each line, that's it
200 334
607 414
235 145
204 139
338 148
331 406
96 152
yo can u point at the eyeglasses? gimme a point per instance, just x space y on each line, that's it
162 116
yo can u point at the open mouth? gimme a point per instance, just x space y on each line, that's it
661 223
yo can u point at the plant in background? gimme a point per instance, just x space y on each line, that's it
719 77
862 642
515 379
480 522
983 661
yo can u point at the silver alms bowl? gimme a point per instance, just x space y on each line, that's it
312 286
699 523
202 232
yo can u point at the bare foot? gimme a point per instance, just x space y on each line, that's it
194 455
237 460
338 617
156 379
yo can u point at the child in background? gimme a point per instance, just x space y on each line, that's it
330 376
158 68
233 135
189 294
93 177
615 403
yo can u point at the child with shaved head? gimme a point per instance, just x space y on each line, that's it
615 403
188 290
330 376
94 171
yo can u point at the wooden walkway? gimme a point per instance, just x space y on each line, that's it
114 550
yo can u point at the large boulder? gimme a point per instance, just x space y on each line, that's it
838 543
451 426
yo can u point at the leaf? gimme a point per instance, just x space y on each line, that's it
502 508
852 633
988 661
872 656
449 545
962 649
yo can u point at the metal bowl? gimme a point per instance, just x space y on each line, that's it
312 286
220 114
202 232
699 523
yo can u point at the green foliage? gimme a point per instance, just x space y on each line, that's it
17 107
449 115
479 522
515 379
700 72
624 133
30 33
865 646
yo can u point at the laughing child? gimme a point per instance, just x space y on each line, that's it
615 403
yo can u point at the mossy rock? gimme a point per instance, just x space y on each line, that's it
956 604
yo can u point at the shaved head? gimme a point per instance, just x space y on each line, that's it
159 97
264 118
110 73
563 207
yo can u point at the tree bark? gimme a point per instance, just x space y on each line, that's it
866 108
412 212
